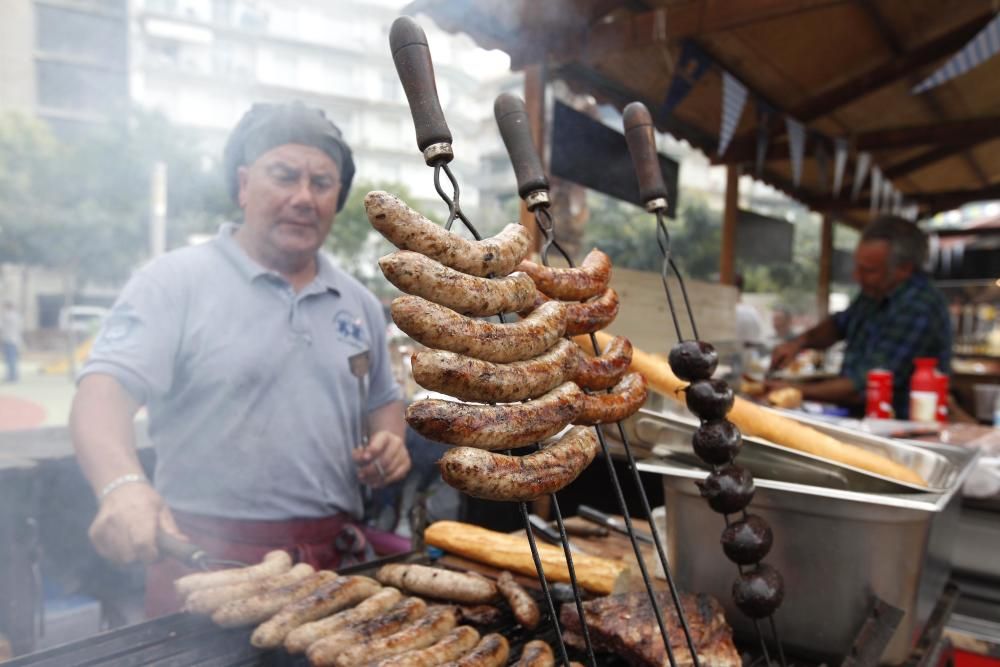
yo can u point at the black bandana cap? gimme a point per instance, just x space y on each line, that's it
266 126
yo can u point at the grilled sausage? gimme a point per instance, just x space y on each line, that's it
444 329
605 371
435 582
415 274
208 600
624 400
299 639
454 645
480 614
519 478
274 563
591 316
491 651
331 597
435 624
536 653
408 230
496 426
256 608
521 603
323 653
587 280
472 379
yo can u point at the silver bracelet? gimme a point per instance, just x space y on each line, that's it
117 482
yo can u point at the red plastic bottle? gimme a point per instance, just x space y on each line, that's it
942 389
924 390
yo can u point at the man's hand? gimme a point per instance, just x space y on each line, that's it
785 353
127 521
383 461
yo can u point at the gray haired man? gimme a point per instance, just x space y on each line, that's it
898 316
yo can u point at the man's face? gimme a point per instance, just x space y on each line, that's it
872 272
289 199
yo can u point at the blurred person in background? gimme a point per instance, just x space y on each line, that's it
749 328
898 316
781 321
10 334
239 348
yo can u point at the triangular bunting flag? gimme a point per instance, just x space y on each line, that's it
796 146
860 172
897 203
764 112
839 164
822 165
886 201
876 189
734 97
691 65
980 48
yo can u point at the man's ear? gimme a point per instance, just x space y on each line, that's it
242 176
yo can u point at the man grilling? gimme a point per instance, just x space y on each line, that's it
898 316
241 350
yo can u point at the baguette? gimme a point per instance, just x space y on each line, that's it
754 421
511 552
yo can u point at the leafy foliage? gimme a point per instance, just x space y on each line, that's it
628 235
83 207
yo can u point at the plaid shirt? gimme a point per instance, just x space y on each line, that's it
890 333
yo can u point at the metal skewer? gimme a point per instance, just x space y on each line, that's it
533 186
639 133
411 54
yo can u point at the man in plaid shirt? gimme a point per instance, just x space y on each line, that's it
898 317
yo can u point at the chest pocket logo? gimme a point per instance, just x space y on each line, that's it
349 329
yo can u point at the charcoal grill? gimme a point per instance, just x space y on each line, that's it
183 640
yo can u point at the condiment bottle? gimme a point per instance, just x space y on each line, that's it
941 380
924 390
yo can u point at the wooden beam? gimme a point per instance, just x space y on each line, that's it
727 252
620 95
941 201
629 31
876 78
928 99
925 159
534 102
825 267
966 132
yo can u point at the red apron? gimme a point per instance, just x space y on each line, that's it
326 543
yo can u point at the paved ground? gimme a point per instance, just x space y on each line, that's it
38 399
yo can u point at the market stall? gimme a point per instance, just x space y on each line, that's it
799 542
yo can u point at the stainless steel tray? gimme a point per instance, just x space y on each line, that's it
666 428
837 549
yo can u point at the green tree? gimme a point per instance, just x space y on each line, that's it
82 207
628 234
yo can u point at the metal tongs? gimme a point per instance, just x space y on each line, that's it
192 555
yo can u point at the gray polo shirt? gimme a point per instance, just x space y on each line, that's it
253 409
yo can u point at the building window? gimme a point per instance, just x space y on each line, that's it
74 88
77 34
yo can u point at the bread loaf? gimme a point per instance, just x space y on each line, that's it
755 421
511 552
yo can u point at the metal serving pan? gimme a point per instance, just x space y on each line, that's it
666 427
836 548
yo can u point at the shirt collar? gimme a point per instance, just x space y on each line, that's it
326 275
916 280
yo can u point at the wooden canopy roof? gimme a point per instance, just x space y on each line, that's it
845 68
